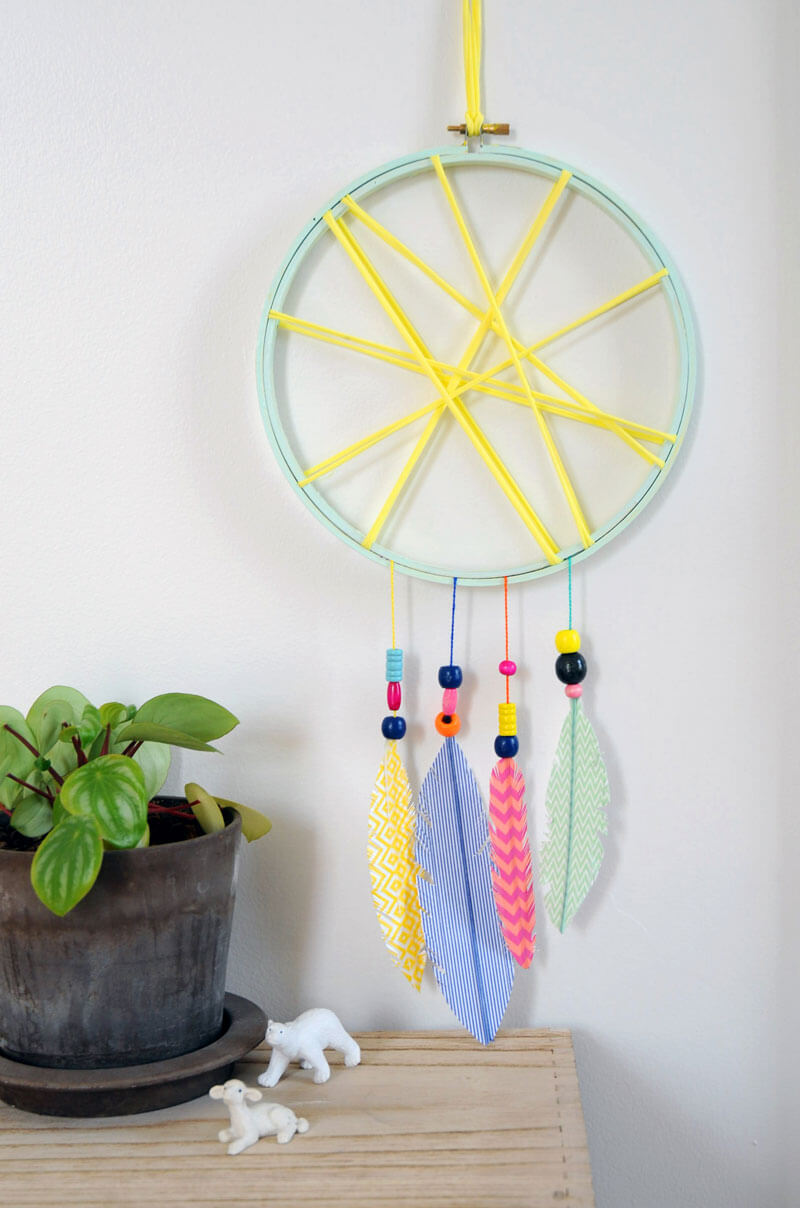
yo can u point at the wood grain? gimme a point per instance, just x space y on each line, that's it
428 1120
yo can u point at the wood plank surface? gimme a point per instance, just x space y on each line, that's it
428 1120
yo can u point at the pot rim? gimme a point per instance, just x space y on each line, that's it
233 819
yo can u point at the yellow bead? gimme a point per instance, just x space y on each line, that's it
508 718
568 641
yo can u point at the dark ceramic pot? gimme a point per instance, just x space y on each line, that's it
135 973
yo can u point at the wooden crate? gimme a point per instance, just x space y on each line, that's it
428 1120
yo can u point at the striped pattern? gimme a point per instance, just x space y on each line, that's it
66 864
393 868
512 874
473 967
577 800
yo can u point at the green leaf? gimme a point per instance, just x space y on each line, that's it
15 758
67 733
193 715
111 790
137 731
59 813
154 759
113 713
67 863
254 823
48 711
32 816
204 808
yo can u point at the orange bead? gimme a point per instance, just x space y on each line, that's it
447 724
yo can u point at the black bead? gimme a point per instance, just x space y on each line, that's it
393 727
450 677
506 746
571 668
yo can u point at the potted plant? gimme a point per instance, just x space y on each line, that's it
115 904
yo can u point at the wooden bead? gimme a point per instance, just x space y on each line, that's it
393 727
506 746
450 676
573 691
449 700
394 664
447 724
508 667
507 713
568 641
571 668
394 695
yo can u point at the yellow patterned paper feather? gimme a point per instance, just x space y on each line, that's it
393 869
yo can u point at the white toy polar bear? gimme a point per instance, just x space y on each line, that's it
250 1123
304 1039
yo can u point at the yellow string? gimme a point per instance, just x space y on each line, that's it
391 591
476 435
522 352
471 11
555 457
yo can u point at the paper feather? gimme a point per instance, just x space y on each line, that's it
512 873
577 800
393 868
473 967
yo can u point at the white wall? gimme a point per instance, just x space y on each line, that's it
157 161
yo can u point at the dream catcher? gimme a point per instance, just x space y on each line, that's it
536 362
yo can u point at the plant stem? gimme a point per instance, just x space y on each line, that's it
32 788
106 740
76 742
132 748
24 742
171 810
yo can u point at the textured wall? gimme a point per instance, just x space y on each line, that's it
158 159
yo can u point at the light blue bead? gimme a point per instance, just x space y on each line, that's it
394 665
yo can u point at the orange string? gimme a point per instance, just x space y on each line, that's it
505 601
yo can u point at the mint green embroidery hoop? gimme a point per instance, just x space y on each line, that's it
509 157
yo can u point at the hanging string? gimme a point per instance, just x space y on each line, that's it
505 602
472 65
453 619
569 580
391 592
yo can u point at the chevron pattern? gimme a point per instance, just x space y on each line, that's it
577 800
393 869
512 874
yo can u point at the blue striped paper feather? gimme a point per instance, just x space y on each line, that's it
473 967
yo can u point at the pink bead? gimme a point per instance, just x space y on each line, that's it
394 695
573 691
508 667
449 700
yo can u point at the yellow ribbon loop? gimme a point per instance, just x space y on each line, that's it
472 65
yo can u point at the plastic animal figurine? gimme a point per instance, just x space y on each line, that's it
304 1039
250 1123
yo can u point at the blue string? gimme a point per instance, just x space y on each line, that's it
569 576
453 620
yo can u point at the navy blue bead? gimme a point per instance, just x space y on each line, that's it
393 727
506 746
571 668
450 677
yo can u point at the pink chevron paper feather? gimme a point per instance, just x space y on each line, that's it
512 874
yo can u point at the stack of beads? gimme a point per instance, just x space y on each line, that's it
506 745
570 664
394 727
448 722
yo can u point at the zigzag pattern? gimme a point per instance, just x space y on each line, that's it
577 800
512 874
393 869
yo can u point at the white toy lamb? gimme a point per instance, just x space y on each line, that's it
304 1039
250 1123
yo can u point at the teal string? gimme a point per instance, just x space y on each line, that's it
453 620
569 580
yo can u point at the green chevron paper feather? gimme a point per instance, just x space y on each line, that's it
577 799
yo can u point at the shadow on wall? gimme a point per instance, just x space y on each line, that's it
269 932
648 1151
